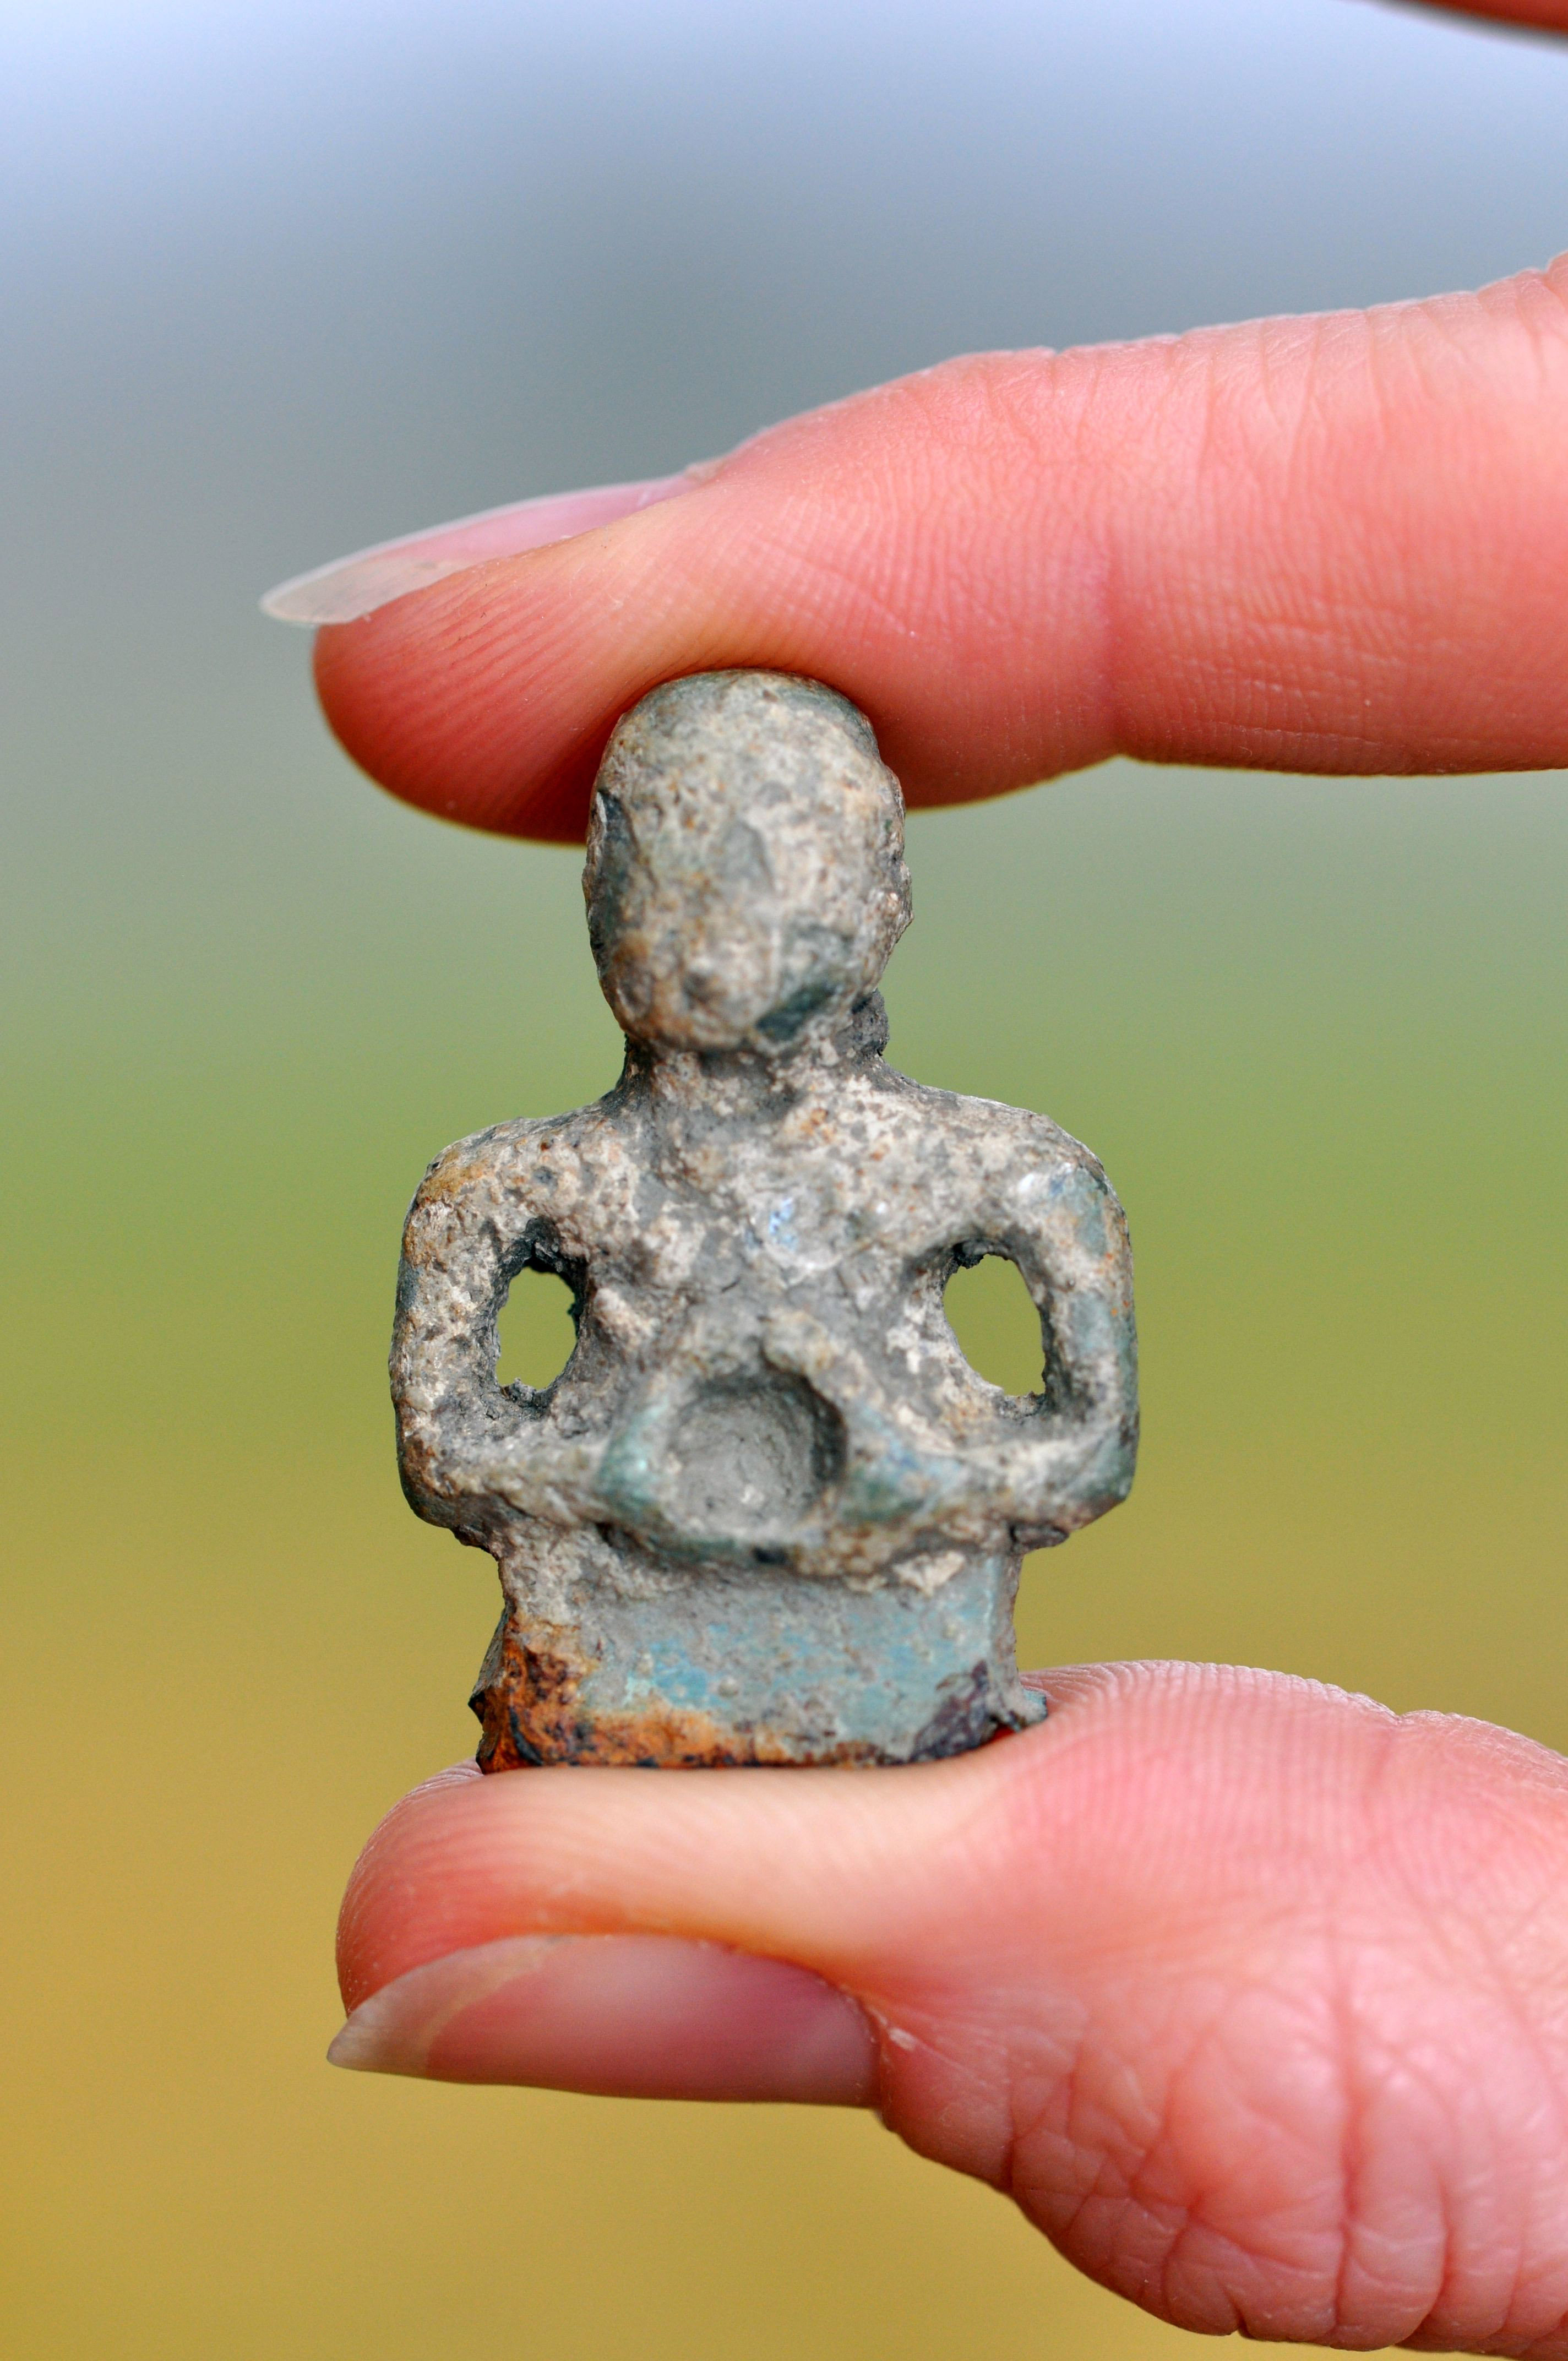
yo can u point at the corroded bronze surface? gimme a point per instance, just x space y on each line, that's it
767 1512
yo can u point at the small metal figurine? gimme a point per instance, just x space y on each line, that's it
767 1512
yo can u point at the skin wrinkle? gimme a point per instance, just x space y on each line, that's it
1473 1833
1129 2205
1379 356
1437 1938
1550 2098
836 573
1136 2195
1430 2325
987 2154
1102 575
1533 306
1285 385
1032 2102
1354 2127
1540 304
1204 2235
1374 345
1353 2137
1455 2300
1030 446
1093 714
1302 426
1164 417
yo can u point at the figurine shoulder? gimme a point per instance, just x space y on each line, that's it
471 1167
518 1164
1000 1172
1031 1143
1037 1176
988 1131
552 1170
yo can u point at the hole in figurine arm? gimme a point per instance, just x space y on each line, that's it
536 1330
997 1323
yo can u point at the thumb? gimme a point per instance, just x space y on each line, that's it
1251 1993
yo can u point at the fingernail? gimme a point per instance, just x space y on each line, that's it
645 2016
352 587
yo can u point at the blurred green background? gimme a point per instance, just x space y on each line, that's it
288 281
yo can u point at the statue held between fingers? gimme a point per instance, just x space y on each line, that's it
767 1512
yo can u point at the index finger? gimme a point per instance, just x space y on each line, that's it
1330 544
1541 16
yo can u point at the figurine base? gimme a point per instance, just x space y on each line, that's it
755 1666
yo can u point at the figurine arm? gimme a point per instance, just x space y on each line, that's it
1072 1456
1068 1457
463 1439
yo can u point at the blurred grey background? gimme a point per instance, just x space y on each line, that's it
277 281
282 280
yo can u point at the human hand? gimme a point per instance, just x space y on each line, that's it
1325 543
1252 1995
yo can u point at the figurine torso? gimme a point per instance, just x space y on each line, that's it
766 1290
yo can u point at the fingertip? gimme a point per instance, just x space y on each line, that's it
349 588
618 2015
369 1944
472 702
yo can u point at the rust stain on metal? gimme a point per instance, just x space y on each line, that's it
528 1709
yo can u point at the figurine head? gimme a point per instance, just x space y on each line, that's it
745 878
